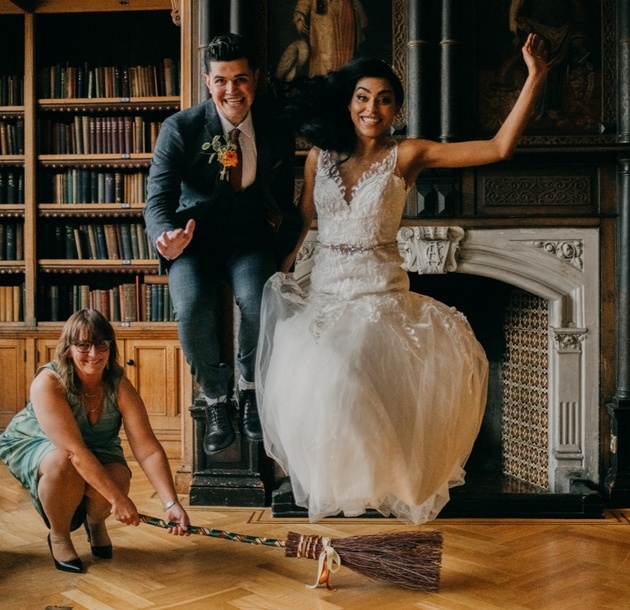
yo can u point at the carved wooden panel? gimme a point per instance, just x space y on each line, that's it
560 190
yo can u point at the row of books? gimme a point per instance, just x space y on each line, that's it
12 137
124 241
11 303
11 185
11 90
126 302
11 241
64 81
76 185
87 135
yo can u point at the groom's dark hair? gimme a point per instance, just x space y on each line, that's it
228 47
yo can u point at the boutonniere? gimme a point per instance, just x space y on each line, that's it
224 151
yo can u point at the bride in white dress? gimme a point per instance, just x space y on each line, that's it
370 395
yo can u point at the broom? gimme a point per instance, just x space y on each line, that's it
408 559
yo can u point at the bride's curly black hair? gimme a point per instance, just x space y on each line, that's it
318 107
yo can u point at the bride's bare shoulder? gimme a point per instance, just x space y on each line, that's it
411 157
413 147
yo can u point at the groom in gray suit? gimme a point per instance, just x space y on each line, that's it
220 209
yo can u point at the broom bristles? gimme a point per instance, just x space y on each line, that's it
409 559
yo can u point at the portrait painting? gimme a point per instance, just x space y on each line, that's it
312 37
571 102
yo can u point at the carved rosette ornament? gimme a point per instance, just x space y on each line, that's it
568 251
429 250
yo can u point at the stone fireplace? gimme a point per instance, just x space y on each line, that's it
542 419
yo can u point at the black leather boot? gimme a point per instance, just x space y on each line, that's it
249 415
219 432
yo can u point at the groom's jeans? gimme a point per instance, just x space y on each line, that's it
194 279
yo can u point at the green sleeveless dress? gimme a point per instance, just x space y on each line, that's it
23 444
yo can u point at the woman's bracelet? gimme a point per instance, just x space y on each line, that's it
170 504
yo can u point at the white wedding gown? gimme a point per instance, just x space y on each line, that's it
370 396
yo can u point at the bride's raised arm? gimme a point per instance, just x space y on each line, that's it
417 154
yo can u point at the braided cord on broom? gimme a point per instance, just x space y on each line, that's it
204 531
409 559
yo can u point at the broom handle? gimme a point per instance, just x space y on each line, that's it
204 531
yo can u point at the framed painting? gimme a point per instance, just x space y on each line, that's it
572 101
309 38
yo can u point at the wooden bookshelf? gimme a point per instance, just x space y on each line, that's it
12 209
118 66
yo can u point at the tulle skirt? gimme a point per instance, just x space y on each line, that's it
368 406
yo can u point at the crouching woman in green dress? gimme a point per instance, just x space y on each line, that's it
65 446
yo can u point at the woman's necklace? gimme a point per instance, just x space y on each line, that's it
98 404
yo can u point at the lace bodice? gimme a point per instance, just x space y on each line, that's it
376 203
358 252
357 263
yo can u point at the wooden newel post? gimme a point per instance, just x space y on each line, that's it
232 477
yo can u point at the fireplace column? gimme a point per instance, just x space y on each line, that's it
617 481
566 420
421 119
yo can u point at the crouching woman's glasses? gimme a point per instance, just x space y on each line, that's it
85 346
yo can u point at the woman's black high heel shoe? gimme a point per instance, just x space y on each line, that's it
74 565
104 552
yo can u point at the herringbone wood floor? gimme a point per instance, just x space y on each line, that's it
487 564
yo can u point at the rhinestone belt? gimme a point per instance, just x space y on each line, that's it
352 249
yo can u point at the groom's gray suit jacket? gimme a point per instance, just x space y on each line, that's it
183 183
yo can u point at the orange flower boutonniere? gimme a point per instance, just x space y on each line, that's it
225 152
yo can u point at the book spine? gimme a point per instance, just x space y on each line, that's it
10 241
12 195
77 243
110 189
127 248
19 241
111 242
115 304
129 303
84 297
91 233
54 303
17 302
133 236
101 242
71 247
142 242
3 304
119 187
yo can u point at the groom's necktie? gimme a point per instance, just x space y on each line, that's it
236 172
